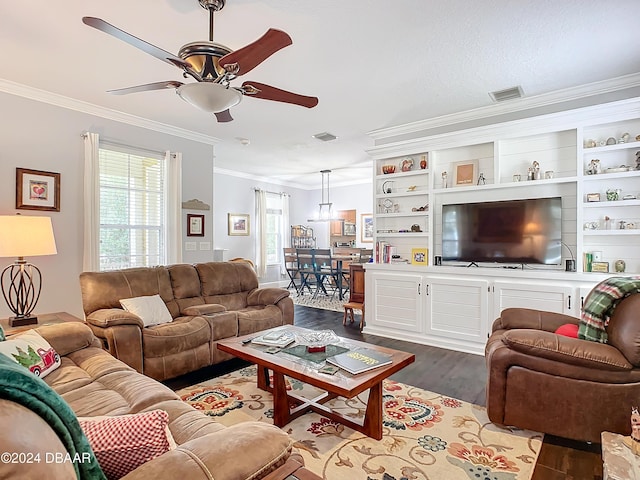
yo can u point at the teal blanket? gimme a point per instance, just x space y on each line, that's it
21 386
600 304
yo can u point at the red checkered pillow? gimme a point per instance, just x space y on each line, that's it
123 443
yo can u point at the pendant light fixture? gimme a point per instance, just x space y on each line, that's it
325 207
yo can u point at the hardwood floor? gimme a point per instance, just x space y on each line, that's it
459 375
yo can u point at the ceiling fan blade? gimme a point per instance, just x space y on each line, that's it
249 57
146 47
146 87
267 92
223 117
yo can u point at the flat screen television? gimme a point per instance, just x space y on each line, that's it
511 231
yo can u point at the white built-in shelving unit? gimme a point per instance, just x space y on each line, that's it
452 305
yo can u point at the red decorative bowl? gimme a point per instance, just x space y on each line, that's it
388 169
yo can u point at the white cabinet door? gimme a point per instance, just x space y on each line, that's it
396 302
538 296
458 309
583 291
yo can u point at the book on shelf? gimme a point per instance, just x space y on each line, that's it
399 260
360 360
384 252
278 338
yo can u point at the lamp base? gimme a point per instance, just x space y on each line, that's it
22 321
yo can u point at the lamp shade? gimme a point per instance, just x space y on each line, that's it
26 236
210 97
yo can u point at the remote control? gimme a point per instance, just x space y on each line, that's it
247 340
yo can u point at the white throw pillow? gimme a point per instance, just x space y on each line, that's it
31 351
151 309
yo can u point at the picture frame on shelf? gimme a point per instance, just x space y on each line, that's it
195 225
465 173
420 256
37 190
366 227
238 224
593 197
602 267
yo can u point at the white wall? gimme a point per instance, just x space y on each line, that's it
41 136
233 194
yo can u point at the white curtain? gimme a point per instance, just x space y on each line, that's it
261 240
90 259
285 228
173 230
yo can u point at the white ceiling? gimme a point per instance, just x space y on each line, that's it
372 63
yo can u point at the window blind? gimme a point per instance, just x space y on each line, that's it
132 208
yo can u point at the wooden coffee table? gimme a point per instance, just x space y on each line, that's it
342 384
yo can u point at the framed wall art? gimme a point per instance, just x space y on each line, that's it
238 223
465 173
366 227
37 190
195 225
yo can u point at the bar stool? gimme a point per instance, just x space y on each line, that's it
348 311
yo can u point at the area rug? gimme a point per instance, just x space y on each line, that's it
324 302
426 435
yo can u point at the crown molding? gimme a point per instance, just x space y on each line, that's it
256 178
568 119
526 103
43 96
284 183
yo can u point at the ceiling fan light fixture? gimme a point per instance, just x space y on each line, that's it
209 97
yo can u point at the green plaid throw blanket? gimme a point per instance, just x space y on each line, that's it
600 304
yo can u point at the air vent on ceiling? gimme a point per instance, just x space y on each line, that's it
325 136
506 94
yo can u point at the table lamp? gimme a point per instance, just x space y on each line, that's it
24 236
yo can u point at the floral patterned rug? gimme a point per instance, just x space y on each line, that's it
426 435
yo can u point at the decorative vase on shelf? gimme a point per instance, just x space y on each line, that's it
423 162
406 165
613 194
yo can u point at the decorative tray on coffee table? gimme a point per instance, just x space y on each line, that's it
319 338
316 346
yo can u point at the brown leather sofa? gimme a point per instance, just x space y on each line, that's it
208 302
564 386
94 383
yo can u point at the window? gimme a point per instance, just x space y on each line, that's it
132 208
274 234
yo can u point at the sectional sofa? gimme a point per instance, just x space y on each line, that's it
94 384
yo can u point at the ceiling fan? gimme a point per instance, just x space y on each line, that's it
213 66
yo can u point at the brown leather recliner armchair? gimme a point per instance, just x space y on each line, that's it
564 386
